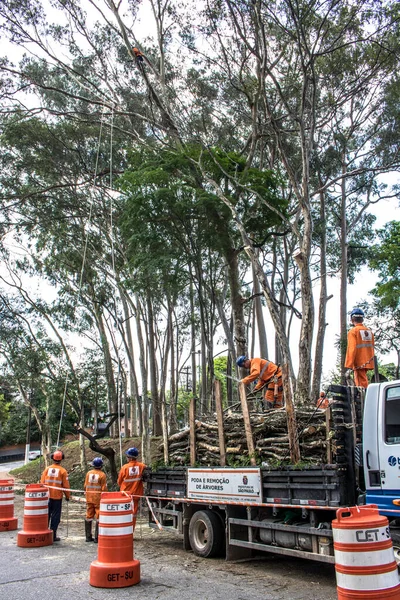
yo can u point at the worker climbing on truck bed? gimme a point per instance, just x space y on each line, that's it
360 348
268 374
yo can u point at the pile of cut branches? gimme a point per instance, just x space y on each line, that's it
269 433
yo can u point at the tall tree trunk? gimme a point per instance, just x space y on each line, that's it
231 256
173 420
204 401
109 373
164 375
262 334
157 428
133 384
323 298
192 338
144 425
343 271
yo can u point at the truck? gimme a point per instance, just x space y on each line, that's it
288 510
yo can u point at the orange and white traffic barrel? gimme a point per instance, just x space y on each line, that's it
7 520
115 566
364 558
35 531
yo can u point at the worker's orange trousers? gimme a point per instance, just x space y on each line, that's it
360 378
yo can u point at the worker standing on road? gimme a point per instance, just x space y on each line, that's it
360 348
130 479
95 483
268 374
55 478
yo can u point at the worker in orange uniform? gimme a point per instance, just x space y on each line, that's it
360 348
268 374
138 54
55 477
95 483
130 479
323 401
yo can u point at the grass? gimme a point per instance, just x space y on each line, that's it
31 472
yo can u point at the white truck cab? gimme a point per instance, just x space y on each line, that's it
381 447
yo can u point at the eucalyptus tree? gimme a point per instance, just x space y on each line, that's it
297 68
31 363
271 81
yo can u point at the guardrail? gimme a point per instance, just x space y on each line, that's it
11 457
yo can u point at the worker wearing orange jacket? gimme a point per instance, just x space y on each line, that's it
268 374
56 478
138 54
323 401
360 348
95 483
130 479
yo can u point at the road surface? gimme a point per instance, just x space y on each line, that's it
61 571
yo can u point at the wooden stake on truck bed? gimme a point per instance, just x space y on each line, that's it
192 429
291 417
247 424
220 421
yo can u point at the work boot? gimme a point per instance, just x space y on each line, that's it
55 538
96 533
88 531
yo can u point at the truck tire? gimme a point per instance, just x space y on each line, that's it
206 534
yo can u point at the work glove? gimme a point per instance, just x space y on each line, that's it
67 499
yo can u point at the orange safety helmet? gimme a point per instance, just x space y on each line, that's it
57 455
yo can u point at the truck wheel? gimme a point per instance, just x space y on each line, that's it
206 534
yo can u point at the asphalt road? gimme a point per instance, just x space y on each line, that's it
9 466
61 571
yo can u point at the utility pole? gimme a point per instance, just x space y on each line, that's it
28 433
185 371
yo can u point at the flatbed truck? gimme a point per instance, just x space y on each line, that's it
236 512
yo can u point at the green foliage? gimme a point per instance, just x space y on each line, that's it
385 258
241 460
5 407
14 429
388 370
174 188
220 370
182 405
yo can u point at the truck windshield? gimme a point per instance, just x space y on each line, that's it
392 415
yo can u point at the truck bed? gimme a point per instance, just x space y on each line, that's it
314 486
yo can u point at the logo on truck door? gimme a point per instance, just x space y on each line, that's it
393 461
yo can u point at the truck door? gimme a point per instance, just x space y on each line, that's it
370 444
388 438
